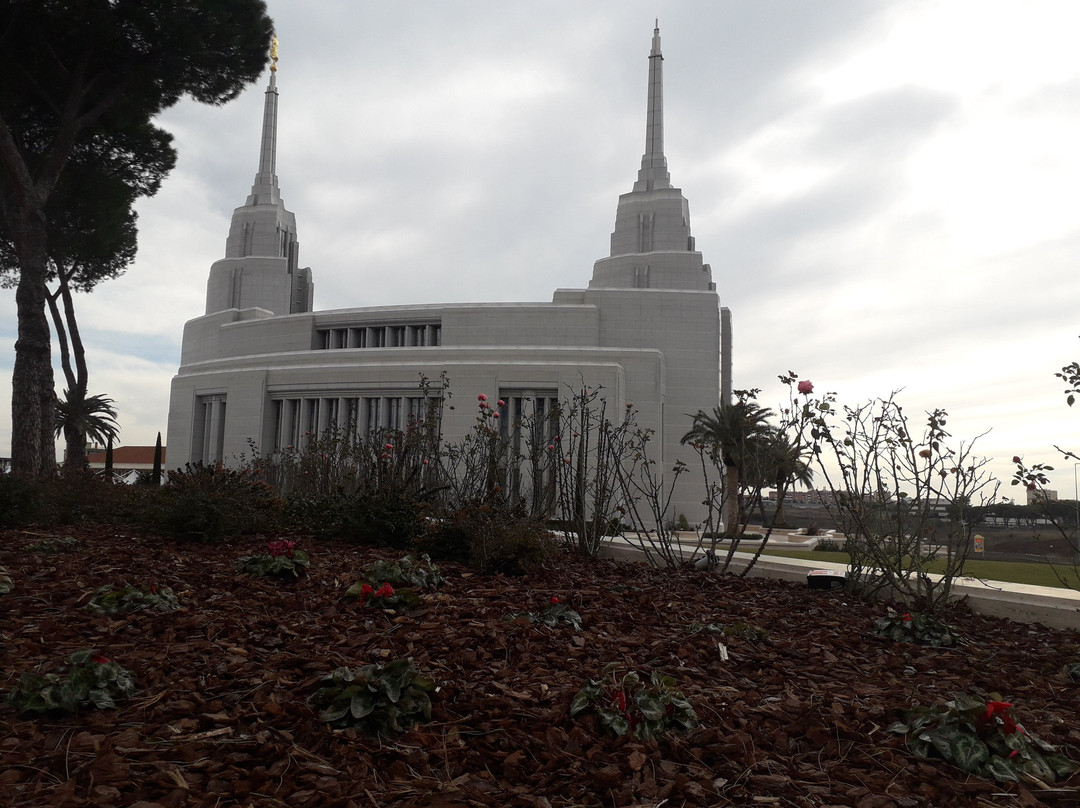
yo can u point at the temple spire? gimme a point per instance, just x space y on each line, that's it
654 173
266 185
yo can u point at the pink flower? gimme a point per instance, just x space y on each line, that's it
1016 459
806 387
551 446
481 397
494 415
389 447
501 403
425 462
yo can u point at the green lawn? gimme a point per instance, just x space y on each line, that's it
1013 572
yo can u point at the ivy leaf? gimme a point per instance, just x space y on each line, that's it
580 702
620 725
361 705
969 752
1002 770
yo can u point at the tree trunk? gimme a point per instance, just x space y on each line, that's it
33 399
731 502
75 440
779 517
75 437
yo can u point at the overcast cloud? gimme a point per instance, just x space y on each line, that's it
888 192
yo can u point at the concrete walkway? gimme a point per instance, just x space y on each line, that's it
1049 606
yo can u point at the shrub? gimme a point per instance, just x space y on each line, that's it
382 701
827 546
318 514
387 518
492 539
209 502
89 680
18 500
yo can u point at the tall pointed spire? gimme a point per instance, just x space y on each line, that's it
654 171
261 264
651 246
266 184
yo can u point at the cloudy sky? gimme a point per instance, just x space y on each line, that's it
888 192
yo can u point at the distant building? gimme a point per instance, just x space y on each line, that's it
126 459
822 497
1034 497
261 367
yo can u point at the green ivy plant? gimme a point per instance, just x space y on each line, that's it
915 628
54 546
626 705
88 680
126 599
554 614
382 701
406 572
280 560
983 738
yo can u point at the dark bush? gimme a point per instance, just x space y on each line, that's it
18 500
388 518
491 539
318 514
208 502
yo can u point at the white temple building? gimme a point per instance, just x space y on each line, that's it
262 366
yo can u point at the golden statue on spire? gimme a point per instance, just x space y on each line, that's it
273 55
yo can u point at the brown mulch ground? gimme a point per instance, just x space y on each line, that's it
221 717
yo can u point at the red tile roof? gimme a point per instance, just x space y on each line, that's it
127 455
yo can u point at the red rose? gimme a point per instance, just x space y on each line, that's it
554 600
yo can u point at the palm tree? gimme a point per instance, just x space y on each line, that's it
733 433
79 418
781 463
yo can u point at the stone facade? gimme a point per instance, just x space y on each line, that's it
261 366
